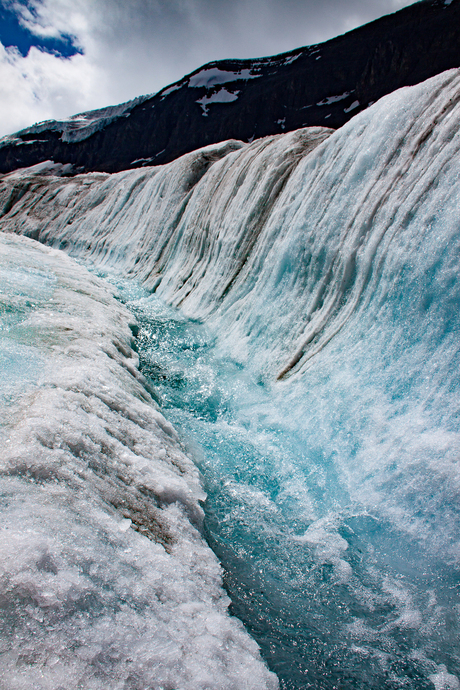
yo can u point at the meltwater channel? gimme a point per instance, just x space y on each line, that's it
340 583
297 304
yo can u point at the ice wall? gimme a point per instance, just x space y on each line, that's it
185 229
224 229
106 580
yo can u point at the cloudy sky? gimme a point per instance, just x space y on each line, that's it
61 57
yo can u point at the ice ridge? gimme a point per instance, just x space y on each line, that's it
106 578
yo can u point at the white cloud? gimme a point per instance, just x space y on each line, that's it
133 47
42 86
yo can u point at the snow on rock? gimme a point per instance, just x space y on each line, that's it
78 127
171 89
221 96
354 105
213 76
334 99
292 58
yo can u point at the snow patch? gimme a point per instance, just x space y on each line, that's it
291 59
143 160
211 77
222 96
44 168
146 161
80 126
354 105
170 90
335 99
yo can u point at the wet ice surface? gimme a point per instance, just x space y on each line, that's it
321 403
341 585
105 580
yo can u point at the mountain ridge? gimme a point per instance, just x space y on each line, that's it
320 85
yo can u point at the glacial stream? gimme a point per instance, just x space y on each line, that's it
339 584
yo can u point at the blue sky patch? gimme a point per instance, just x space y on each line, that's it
13 34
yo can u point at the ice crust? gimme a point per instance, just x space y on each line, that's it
106 580
327 265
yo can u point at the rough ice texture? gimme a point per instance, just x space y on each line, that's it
158 224
328 263
219 229
282 243
106 580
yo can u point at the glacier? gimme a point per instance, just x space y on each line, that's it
294 304
106 579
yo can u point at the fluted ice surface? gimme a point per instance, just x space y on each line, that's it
325 263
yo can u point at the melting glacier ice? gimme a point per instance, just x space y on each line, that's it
106 580
339 574
304 339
